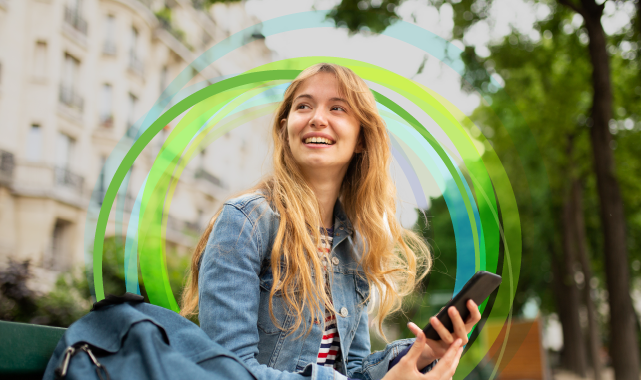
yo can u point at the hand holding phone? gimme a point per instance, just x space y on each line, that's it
477 289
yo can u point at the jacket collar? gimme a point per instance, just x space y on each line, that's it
340 219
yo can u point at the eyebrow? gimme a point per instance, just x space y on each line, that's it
311 97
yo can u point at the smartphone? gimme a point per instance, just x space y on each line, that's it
478 288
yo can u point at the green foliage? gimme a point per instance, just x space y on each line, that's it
70 298
164 16
209 3
113 271
365 15
550 82
68 301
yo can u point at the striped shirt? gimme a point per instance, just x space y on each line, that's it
330 346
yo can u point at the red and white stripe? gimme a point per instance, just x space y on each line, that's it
330 346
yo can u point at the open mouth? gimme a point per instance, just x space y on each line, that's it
319 141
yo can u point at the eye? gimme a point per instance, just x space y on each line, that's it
300 106
339 107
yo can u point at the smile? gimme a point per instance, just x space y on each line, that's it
318 140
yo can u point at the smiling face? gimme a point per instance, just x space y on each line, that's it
322 131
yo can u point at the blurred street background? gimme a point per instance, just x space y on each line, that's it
77 76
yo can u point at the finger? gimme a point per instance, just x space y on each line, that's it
459 325
443 368
444 333
454 365
413 328
475 314
418 346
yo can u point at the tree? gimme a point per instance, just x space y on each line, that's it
623 335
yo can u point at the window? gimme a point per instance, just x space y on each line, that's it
64 151
60 257
75 5
73 16
40 60
65 178
133 105
134 40
110 35
34 143
206 39
163 79
106 112
135 62
102 180
131 116
70 73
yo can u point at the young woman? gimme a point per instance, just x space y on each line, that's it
282 275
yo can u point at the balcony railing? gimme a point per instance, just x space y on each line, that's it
128 199
7 163
72 17
135 64
66 178
109 48
70 97
207 176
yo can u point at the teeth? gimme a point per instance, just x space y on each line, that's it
318 140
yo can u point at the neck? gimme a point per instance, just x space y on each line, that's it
326 185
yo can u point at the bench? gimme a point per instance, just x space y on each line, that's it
25 349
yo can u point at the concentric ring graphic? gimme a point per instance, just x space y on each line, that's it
475 185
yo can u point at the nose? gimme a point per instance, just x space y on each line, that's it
318 118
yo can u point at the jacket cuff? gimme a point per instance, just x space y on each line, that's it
398 358
429 367
375 366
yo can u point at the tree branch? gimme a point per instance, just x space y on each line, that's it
574 7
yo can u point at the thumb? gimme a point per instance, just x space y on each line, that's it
419 344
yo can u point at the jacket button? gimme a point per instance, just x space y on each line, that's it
344 312
335 260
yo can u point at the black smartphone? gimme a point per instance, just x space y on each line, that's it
477 288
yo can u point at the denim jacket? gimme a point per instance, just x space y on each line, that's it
234 282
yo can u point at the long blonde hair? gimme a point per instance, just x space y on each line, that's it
394 258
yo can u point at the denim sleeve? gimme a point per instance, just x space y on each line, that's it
363 365
397 359
229 294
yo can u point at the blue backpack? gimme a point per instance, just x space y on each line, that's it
123 338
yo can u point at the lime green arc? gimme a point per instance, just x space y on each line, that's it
142 142
211 112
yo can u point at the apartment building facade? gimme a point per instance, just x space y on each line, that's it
75 77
